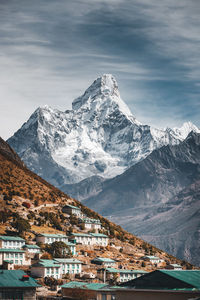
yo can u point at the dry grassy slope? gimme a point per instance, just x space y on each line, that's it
18 184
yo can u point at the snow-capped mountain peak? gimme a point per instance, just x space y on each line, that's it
185 129
99 136
103 96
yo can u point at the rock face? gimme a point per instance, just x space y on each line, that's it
98 137
158 198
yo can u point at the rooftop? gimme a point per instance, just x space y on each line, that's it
99 235
46 263
53 235
167 280
31 246
151 257
81 234
13 278
11 250
113 270
103 259
11 238
84 285
68 260
72 206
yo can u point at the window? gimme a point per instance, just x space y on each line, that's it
20 255
56 270
104 297
17 295
48 270
16 262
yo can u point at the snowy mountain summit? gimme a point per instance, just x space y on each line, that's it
99 136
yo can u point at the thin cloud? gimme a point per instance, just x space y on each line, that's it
51 53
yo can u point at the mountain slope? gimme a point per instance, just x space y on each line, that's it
98 137
136 198
45 215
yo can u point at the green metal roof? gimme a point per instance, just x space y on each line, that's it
151 257
11 250
31 246
72 206
191 277
81 234
85 285
167 280
11 238
99 235
53 235
47 263
13 278
68 260
103 259
113 270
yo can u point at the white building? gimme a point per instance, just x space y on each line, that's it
69 265
46 268
56 267
33 249
152 259
122 274
11 242
72 210
48 238
91 223
176 267
15 256
98 239
81 238
103 261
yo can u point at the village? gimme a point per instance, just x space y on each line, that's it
86 263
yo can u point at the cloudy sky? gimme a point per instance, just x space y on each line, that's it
51 51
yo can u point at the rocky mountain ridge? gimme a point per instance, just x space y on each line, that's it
98 137
158 198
